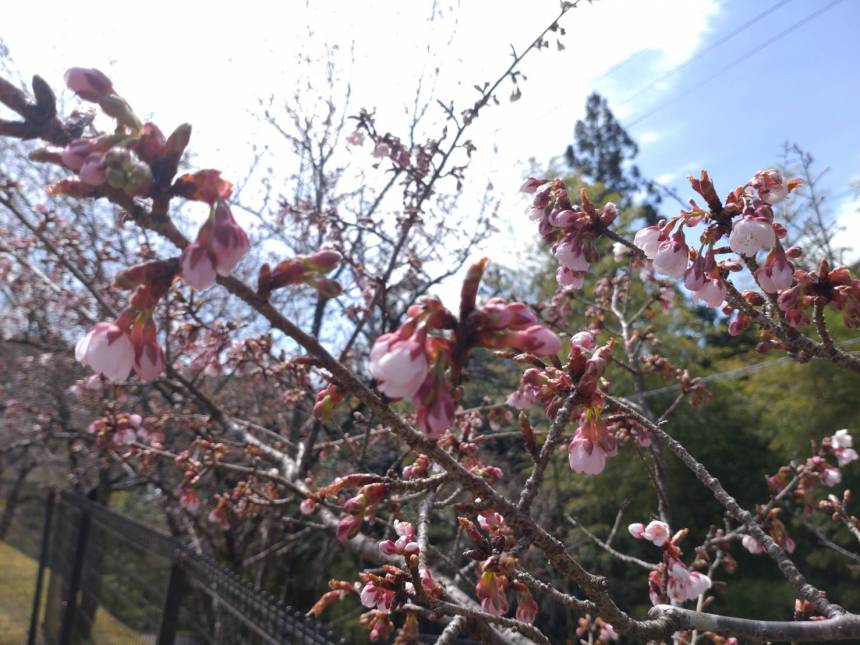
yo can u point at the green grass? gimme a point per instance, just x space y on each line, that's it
17 585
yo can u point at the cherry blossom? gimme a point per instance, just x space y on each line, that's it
399 364
750 235
656 532
671 256
684 584
108 350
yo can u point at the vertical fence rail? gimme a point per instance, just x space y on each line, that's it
195 586
43 560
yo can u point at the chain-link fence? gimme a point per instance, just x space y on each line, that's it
105 579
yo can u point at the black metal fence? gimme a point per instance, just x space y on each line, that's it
106 579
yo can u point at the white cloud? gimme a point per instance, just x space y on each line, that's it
847 218
649 137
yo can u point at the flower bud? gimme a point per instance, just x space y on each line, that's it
89 84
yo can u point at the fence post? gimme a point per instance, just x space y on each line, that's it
43 560
172 602
75 580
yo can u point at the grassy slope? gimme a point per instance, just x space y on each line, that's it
17 583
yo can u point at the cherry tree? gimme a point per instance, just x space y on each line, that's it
199 383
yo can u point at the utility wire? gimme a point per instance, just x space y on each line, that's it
713 46
734 63
739 371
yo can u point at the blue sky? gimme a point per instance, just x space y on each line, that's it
804 87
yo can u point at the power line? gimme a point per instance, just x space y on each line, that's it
713 46
738 372
734 63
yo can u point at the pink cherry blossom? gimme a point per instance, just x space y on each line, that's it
684 584
830 476
777 273
107 349
583 340
648 239
671 256
585 456
229 243
842 442
400 365
752 545
198 266
493 598
770 185
527 608
569 254
656 532
567 278
712 293
751 235
376 597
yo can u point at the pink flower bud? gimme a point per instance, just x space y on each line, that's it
149 359
89 84
637 530
324 260
198 266
106 349
583 340
648 239
671 256
537 340
308 506
400 365
750 235
751 544
92 170
531 185
229 243
348 527
438 416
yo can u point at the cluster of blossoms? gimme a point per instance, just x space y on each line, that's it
593 440
415 362
491 542
816 472
220 243
571 229
139 161
113 349
383 593
665 245
835 287
671 579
